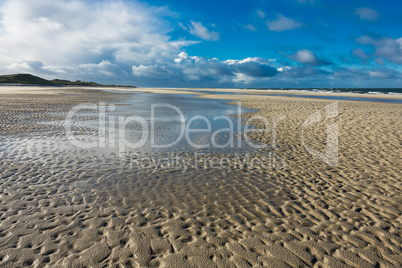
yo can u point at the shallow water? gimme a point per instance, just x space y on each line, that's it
340 98
308 96
141 123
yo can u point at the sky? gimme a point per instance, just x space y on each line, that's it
218 44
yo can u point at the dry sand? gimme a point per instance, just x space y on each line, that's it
60 213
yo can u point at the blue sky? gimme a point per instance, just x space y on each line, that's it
288 43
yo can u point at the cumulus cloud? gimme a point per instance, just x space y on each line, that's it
70 35
307 57
367 14
25 66
197 29
251 59
156 71
283 23
194 68
104 68
385 47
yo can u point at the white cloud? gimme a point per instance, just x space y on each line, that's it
283 23
25 66
181 57
378 74
367 14
367 74
155 71
197 29
105 68
250 27
242 78
68 35
251 59
52 25
306 56
284 68
260 14
385 47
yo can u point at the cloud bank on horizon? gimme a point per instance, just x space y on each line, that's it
191 44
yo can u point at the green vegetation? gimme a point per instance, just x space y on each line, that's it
29 79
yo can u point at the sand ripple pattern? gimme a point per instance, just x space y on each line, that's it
306 215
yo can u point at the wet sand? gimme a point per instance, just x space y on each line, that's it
77 210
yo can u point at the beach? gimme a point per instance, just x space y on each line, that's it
309 199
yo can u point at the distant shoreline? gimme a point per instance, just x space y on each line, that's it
64 86
210 93
31 80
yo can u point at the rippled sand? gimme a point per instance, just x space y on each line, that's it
75 210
